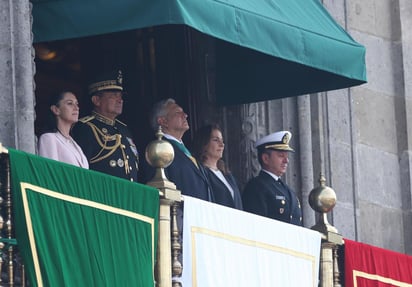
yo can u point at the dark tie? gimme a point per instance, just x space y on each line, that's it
284 188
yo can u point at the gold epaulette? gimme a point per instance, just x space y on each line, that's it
86 119
120 122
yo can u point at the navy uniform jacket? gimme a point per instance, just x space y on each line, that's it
188 178
265 196
221 193
108 146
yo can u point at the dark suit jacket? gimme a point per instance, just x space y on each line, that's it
267 197
221 193
189 179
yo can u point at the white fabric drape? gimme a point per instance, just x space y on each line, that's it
228 247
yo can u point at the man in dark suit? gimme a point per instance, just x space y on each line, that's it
106 141
188 176
266 194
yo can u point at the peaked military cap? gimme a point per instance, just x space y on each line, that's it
276 141
107 81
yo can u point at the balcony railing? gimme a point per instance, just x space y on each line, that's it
168 267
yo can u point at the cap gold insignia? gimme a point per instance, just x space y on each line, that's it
285 138
120 77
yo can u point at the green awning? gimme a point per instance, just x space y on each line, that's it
269 49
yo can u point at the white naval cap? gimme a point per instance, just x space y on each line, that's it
277 141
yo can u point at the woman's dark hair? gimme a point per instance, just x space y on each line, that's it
54 100
201 140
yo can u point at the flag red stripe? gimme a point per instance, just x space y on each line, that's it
370 266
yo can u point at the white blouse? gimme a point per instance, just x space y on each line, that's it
56 146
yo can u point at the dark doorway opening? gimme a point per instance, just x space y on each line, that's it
160 62
154 62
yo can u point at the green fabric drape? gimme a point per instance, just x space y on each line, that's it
77 227
269 48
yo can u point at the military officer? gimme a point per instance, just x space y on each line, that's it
106 141
267 194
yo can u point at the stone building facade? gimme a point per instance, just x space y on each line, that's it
359 138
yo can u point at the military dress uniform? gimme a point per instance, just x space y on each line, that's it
108 145
266 194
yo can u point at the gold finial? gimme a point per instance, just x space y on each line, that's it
160 154
159 133
323 199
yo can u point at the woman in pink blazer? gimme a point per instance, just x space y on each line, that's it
57 143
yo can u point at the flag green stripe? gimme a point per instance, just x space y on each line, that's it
77 227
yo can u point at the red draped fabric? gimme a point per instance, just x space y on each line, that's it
370 266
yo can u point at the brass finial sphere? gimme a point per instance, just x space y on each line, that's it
323 198
159 153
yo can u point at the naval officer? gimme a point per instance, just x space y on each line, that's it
106 141
267 194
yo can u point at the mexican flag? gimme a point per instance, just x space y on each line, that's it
77 227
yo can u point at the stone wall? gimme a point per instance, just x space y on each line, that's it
369 129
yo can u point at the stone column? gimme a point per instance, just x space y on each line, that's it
306 159
405 10
16 76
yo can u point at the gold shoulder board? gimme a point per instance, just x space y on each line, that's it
120 122
86 119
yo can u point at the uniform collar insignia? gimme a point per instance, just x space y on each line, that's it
103 119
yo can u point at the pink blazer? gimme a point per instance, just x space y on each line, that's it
56 146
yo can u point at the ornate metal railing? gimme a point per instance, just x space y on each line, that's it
11 267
